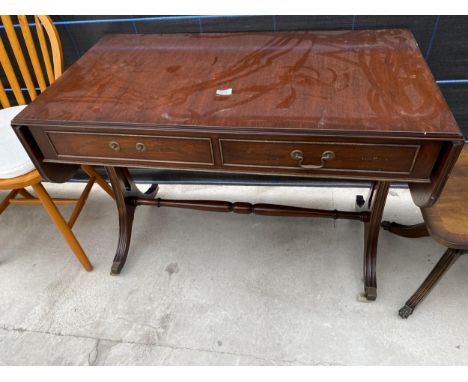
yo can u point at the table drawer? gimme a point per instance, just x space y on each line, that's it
140 148
320 156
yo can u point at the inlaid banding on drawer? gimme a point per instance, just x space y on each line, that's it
347 156
141 148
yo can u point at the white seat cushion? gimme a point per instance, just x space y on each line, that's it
14 161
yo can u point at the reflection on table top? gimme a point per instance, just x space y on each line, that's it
371 82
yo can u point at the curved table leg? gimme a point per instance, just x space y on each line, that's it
126 196
442 266
411 231
371 237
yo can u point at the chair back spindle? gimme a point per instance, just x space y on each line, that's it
25 58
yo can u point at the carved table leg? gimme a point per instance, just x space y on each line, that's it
371 237
448 258
412 231
126 196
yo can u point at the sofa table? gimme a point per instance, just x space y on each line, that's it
341 105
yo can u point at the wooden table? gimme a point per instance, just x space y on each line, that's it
344 105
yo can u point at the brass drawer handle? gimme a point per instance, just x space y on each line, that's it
299 156
114 145
140 147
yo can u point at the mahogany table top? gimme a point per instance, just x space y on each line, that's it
371 82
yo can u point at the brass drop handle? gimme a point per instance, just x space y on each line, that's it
140 147
299 156
114 145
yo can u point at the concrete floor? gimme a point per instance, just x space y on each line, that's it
223 289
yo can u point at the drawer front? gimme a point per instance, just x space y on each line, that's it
139 148
321 156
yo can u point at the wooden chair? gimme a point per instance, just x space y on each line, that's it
16 169
447 223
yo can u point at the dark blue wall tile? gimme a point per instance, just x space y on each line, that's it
313 22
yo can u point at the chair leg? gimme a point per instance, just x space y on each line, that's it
24 193
81 202
448 258
94 177
6 202
412 231
91 172
62 225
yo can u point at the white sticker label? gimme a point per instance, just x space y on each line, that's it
224 92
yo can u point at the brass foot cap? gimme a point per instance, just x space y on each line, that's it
405 312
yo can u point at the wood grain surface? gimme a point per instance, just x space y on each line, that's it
369 81
447 219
